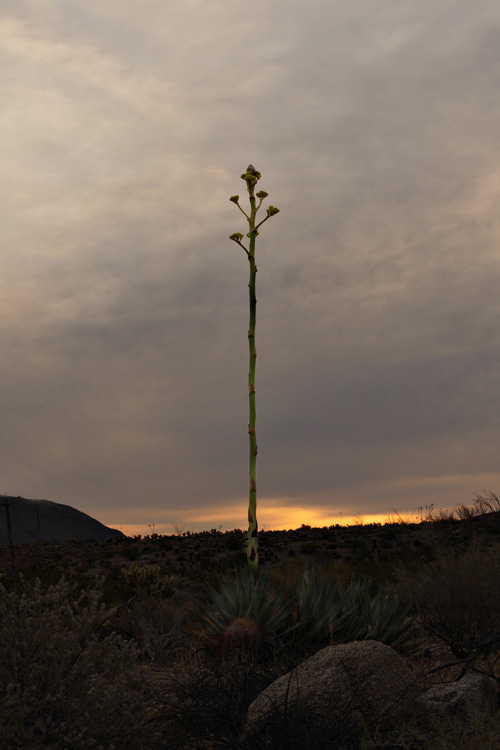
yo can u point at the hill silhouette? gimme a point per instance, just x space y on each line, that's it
45 521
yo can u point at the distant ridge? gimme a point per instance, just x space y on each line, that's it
42 520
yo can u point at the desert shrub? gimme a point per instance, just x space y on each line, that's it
154 624
63 685
143 580
233 543
211 702
297 728
457 598
209 708
467 729
131 553
482 505
309 548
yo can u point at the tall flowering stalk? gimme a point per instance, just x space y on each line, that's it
251 178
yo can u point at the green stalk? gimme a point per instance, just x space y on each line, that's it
251 178
252 553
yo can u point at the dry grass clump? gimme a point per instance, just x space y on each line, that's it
155 626
457 598
207 704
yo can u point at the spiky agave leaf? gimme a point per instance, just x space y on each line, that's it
241 597
320 610
325 612
381 616
391 621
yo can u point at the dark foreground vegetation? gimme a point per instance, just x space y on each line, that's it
163 642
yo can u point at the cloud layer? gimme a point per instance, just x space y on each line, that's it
123 305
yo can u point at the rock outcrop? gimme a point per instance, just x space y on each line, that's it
337 692
474 691
44 521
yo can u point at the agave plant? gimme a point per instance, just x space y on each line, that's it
324 612
242 613
320 610
381 616
242 608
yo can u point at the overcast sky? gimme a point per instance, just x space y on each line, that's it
124 128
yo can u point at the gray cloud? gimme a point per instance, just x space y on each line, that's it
124 305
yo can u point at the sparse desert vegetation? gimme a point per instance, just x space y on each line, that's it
162 641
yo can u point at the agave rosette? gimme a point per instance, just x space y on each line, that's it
243 598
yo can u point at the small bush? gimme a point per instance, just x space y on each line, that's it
154 624
457 597
211 705
63 686
144 580
309 548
